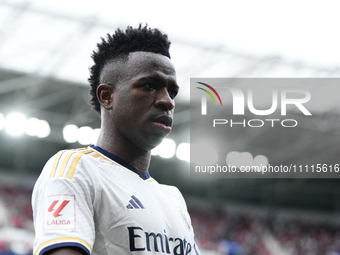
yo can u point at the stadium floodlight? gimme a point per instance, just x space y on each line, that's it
261 160
15 124
239 159
183 152
2 121
43 129
203 153
85 135
95 135
246 159
70 133
31 126
154 151
233 159
36 127
167 148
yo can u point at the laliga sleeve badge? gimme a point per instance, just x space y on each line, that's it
59 212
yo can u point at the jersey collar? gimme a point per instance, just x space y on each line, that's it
121 162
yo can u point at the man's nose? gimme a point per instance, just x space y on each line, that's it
164 100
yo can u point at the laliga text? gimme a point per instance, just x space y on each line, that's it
266 169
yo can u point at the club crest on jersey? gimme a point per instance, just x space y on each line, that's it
59 212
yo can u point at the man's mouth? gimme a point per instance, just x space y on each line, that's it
165 120
164 123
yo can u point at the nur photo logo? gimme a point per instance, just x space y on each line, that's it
204 98
244 100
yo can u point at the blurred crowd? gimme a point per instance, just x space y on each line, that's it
16 223
222 231
247 233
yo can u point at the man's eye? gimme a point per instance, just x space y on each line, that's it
150 86
173 93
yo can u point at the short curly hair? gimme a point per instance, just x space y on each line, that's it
119 45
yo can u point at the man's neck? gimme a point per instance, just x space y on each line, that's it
126 151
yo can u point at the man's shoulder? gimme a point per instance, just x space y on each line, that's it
67 170
172 190
77 164
65 162
175 195
69 163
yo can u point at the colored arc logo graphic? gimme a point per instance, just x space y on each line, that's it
209 92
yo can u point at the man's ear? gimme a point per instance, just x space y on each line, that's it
105 95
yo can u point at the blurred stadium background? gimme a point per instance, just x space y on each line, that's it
45 51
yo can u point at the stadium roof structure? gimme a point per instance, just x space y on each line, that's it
44 58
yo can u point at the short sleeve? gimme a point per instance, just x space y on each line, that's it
62 204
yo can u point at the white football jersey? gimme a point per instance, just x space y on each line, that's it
91 199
